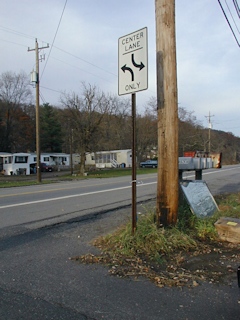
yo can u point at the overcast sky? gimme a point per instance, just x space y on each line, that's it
84 35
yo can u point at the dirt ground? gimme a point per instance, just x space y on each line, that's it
212 263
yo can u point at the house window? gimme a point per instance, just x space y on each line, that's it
114 156
105 157
21 159
45 158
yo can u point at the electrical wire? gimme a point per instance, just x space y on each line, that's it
42 98
50 89
16 32
66 52
228 23
236 7
52 46
232 16
18 44
54 37
75 67
94 65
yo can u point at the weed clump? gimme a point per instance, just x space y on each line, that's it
165 254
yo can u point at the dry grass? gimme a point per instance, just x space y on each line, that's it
165 255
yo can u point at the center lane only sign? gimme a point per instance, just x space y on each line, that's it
132 62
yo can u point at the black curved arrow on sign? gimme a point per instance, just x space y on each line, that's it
140 66
124 68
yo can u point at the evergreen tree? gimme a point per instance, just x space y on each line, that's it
50 129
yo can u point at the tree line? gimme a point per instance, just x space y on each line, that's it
90 120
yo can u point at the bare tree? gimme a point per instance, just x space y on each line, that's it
87 112
14 94
190 131
116 125
147 139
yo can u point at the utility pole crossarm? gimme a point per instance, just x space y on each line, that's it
209 130
46 47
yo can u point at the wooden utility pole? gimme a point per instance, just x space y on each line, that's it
209 131
39 178
71 151
38 150
167 187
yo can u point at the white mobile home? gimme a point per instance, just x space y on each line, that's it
16 163
52 159
23 163
5 158
110 159
56 159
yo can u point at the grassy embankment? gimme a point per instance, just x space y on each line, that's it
155 243
18 181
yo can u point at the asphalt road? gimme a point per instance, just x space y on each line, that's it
42 205
38 281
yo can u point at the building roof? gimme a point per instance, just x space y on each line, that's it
5 154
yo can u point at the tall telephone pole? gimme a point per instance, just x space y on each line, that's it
167 186
209 130
37 80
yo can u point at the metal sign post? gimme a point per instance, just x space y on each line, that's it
134 176
133 77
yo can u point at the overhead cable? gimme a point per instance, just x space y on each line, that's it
229 23
232 16
54 37
236 7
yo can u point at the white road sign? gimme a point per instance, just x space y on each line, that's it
132 62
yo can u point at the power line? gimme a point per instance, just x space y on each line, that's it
18 44
50 89
80 69
232 16
228 23
42 97
236 7
54 37
52 46
94 65
16 32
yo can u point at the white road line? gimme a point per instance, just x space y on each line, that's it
212 172
71 196
101 191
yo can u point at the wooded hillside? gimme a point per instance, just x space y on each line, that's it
92 121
